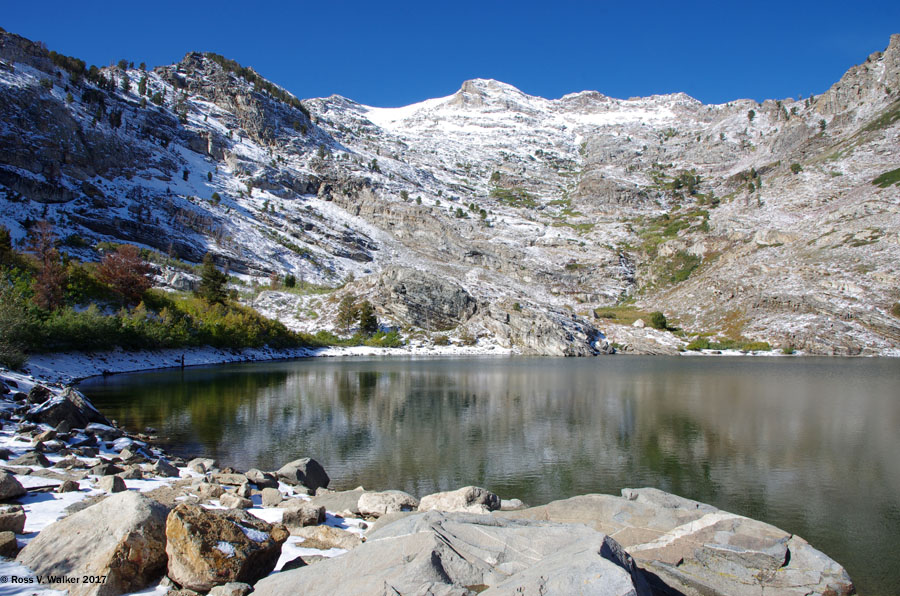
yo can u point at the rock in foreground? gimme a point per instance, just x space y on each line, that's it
121 537
207 548
694 548
460 554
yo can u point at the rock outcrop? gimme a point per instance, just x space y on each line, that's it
460 554
694 548
122 537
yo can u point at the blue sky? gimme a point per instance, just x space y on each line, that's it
396 53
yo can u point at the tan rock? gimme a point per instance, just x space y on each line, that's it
326 537
207 548
121 537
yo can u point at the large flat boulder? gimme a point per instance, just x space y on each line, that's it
468 499
208 548
458 554
382 503
122 538
695 548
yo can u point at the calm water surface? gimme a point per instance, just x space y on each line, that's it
809 445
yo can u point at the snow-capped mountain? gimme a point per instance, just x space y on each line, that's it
490 214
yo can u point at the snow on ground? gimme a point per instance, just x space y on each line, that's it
72 366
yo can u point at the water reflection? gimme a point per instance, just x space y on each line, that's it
808 445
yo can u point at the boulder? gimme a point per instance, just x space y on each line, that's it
326 537
103 431
12 518
39 394
84 406
164 469
304 515
231 589
229 479
233 501
56 410
389 501
44 436
347 500
271 497
105 469
121 537
9 546
208 548
10 488
456 554
112 484
202 465
694 548
262 479
32 458
469 499
68 486
511 505
305 471
209 491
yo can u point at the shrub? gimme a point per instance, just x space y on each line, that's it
658 320
290 280
895 310
126 273
700 343
381 339
796 168
442 340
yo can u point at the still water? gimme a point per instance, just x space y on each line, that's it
809 445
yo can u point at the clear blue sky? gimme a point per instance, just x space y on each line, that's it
396 53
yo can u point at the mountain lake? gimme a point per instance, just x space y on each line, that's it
811 445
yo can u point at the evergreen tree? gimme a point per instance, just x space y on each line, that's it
142 86
212 282
347 313
368 322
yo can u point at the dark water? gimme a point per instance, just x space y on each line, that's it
809 445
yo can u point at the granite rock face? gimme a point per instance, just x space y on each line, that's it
461 554
694 548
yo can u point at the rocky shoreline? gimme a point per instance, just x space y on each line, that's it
106 512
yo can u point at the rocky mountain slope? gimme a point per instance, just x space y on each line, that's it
488 215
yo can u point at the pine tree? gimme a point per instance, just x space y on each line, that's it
368 322
142 86
212 282
347 313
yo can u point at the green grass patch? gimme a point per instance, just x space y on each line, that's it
887 118
888 179
704 343
515 197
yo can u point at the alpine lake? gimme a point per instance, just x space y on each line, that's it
811 445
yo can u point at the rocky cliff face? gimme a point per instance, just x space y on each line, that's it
489 213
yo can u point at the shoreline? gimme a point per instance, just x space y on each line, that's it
69 368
